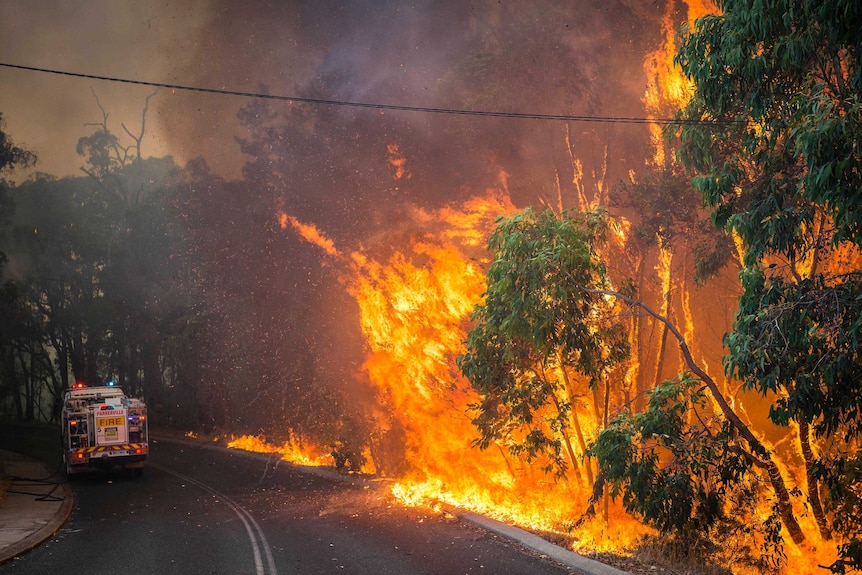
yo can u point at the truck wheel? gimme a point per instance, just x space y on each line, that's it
70 477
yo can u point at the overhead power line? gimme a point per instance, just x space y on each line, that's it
375 106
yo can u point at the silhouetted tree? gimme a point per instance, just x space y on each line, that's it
15 333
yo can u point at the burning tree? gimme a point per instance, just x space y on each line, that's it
553 329
773 132
543 340
778 162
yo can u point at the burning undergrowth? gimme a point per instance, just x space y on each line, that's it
412 276
415 282
415 288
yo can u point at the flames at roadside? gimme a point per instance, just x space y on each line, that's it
415 303
415 298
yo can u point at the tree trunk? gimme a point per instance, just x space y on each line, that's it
153 386
785 507
502 451
640 387
667 283
10 382
568 443
575 421
583 445
812 483
659 367
24 360
762 457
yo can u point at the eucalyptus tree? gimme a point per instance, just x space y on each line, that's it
93 268
130 193
553 326
774 133
11 155
543 337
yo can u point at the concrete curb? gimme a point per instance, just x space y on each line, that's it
579 563
38 537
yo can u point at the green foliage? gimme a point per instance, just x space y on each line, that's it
842 477
99 150
664 468
670 211
10 154
542 317
779 88
117 241
93 280
683 472
16 327
778 325
773 132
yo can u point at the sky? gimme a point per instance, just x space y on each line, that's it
392 52
195 42
47 113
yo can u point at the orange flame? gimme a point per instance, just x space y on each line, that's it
667 89
414 310
295 452
308 232
414 305
398 163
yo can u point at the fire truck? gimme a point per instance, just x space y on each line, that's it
102 428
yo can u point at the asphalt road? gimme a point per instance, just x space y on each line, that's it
206 510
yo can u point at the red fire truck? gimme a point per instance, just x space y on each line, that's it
103 429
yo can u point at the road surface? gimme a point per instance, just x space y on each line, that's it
207 510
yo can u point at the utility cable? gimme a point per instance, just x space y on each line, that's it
375 106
